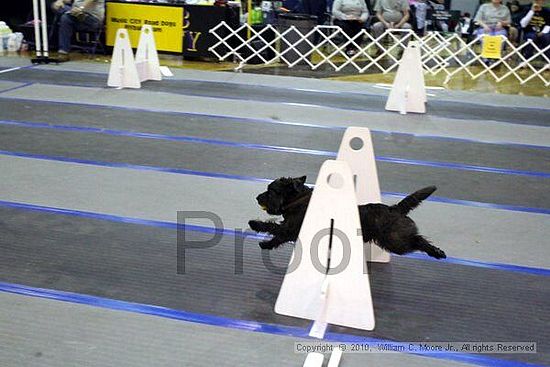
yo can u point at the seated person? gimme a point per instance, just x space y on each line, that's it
392 14
465 23
350 15
60 7
84 15
536 27
316 8
516 13
492 18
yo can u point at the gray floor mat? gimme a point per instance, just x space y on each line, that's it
261 93
80 335
464 185
513 157
414 299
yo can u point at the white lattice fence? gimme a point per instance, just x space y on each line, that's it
449 55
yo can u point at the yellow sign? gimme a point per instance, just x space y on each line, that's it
492 47
167 23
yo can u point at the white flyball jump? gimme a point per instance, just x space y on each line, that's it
408 93
125 72
357 150
327 279
147 59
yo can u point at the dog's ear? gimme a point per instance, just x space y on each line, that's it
299 181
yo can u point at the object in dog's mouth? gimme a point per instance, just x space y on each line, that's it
387 226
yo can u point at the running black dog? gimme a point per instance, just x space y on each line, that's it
388 226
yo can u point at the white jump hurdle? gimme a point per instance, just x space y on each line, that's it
127 72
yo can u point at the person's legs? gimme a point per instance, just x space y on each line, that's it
67 26
355 29
528 49
351 29
345 27
513 35
481 32
544 41
499 32
407 26
89 23
377 29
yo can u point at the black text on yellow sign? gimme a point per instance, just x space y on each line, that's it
492 47
167 23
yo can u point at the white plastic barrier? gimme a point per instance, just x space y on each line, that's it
449 55
147 59
123 72
326 280
357 151
127 72
408 93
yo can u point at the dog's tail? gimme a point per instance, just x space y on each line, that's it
422 244
414 199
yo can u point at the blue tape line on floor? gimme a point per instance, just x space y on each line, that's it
277 122
135 166
253 235
191 139
16 87
235 97
244 325
255 179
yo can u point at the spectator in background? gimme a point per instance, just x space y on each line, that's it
420 10
84 15
350 15
316 8
392 14
465 24
492 18
516 14
536 27
61 6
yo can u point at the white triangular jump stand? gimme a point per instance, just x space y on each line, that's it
342 296
357 150
123 72
314 360
147 59
408 93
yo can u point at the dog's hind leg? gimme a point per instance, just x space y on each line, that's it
422 244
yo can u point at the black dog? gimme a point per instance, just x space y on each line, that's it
388 226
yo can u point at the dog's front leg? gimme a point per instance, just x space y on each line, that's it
281 234
263 227
272 243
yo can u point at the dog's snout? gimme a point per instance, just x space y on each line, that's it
261 199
